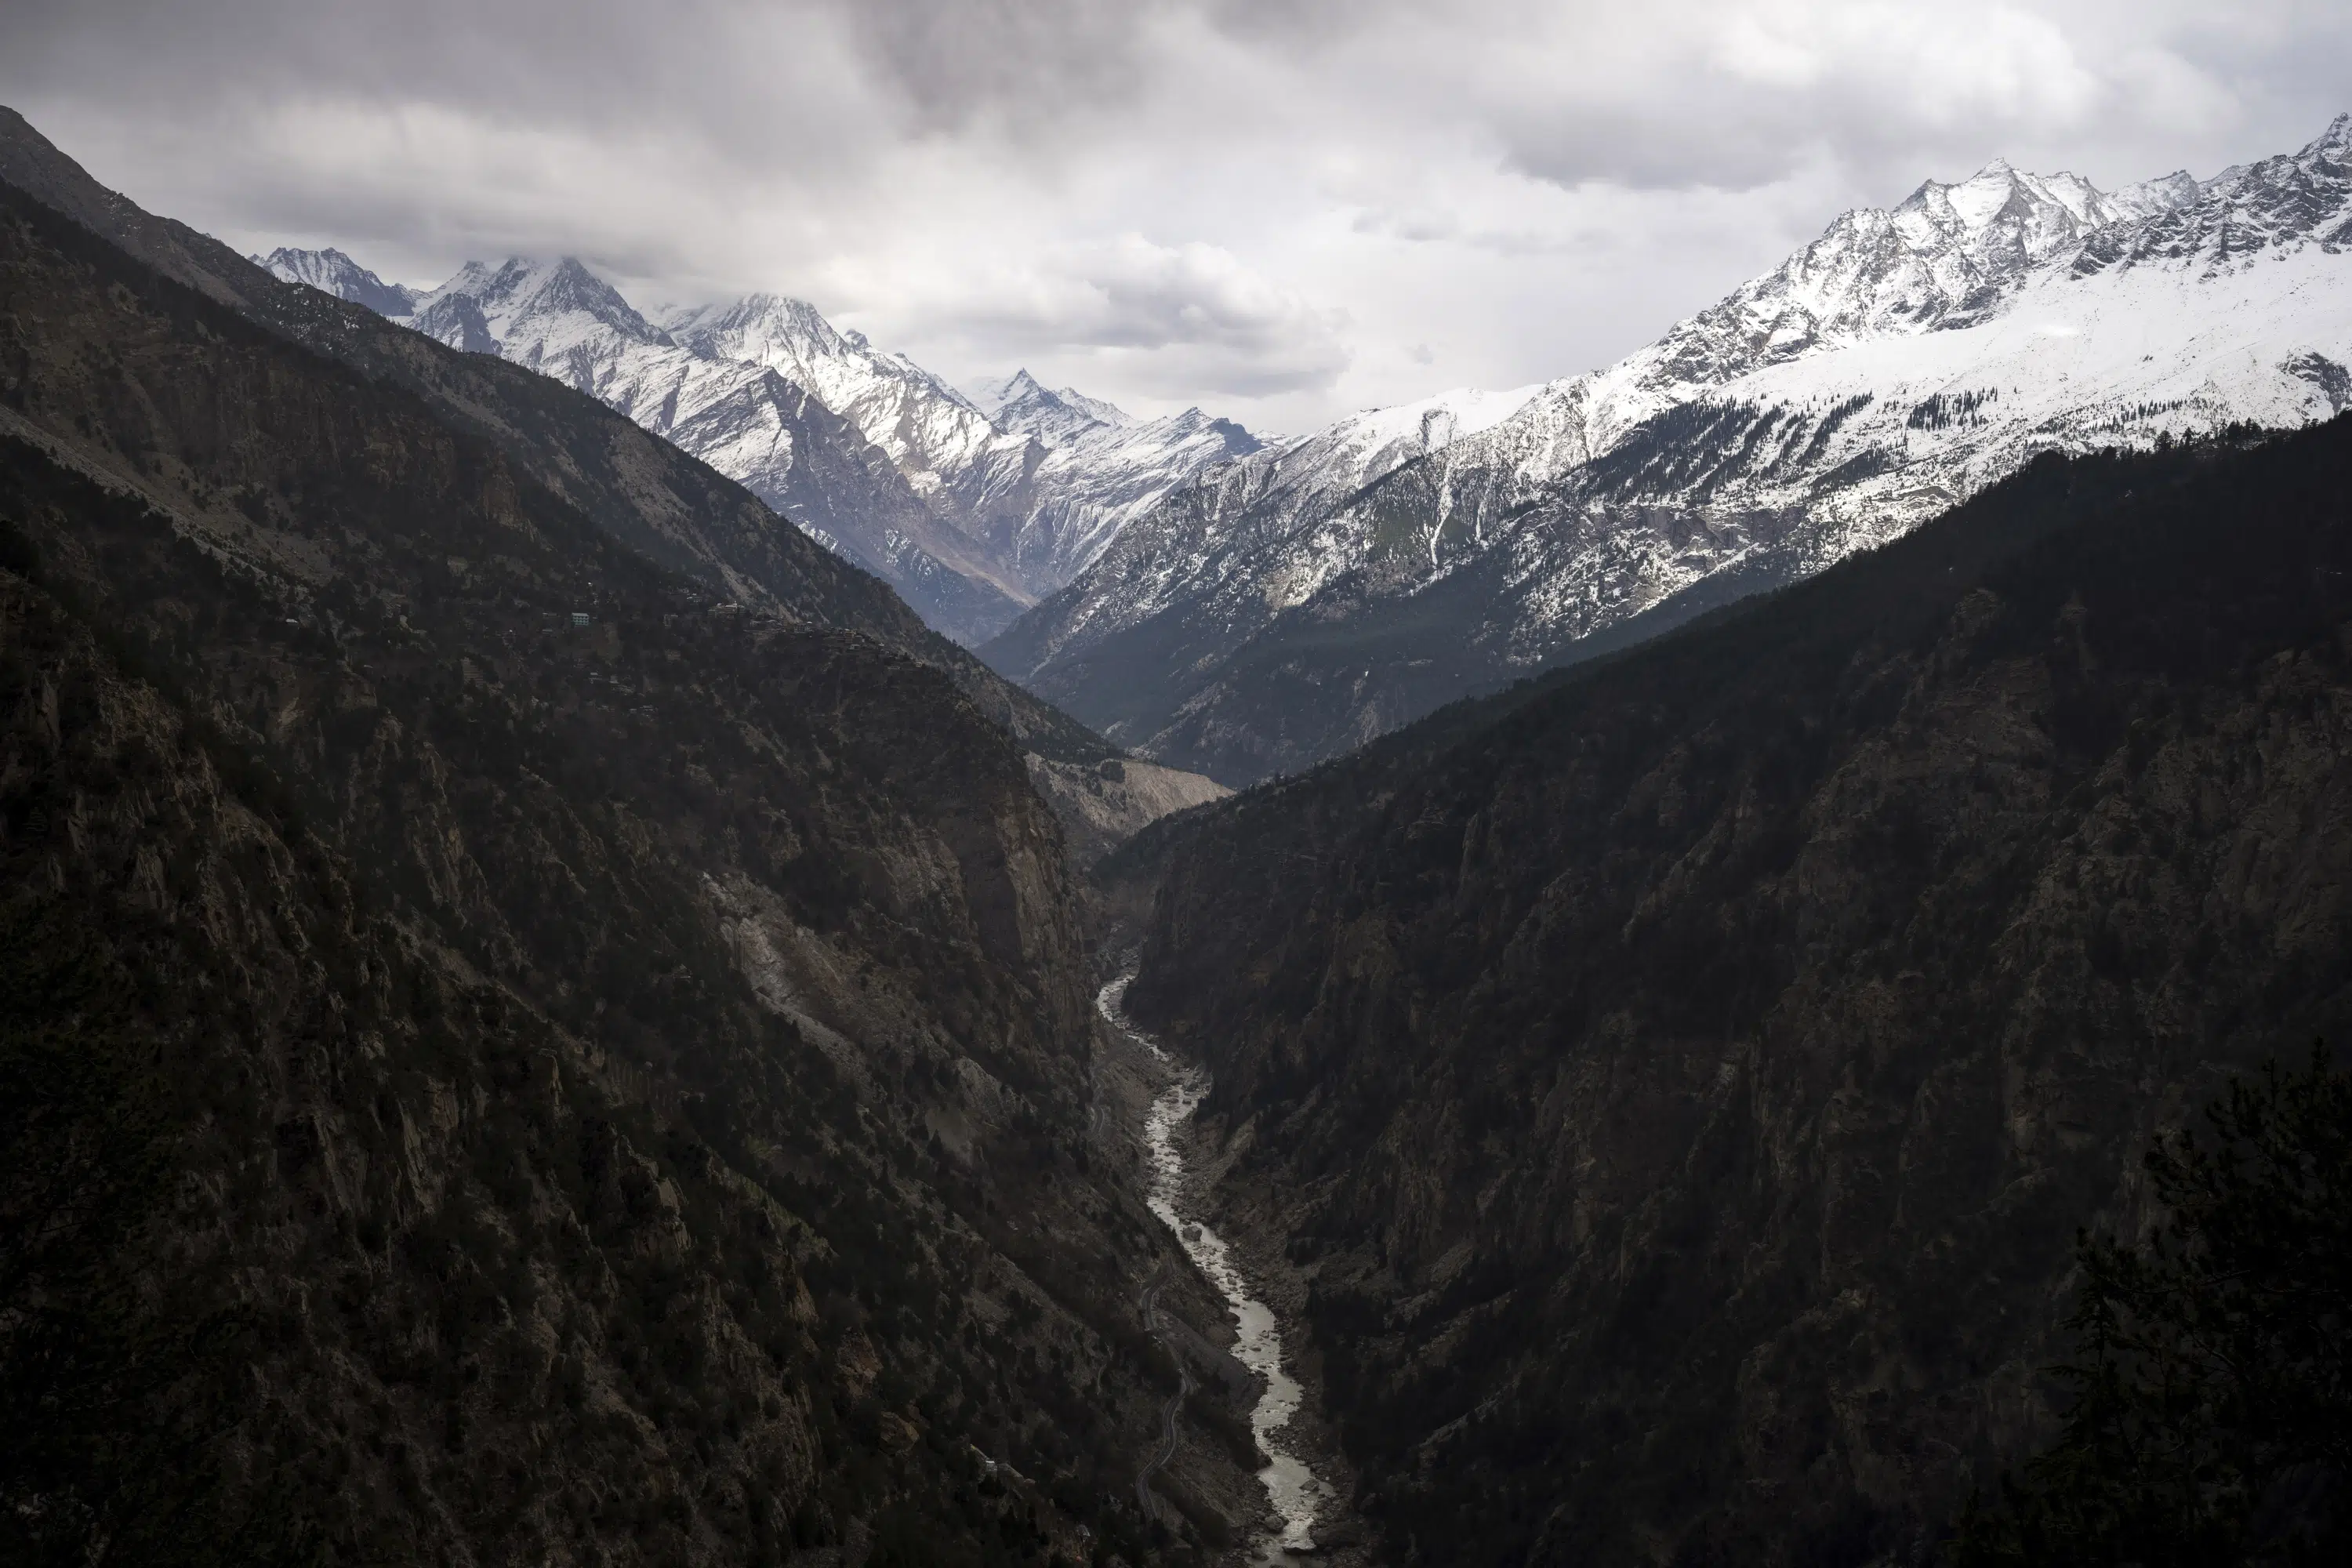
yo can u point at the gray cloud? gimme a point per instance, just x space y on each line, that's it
1184 320
1011 62
1302 206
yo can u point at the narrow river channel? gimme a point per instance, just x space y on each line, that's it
1297 1493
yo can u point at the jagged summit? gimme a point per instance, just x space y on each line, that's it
1108 413
992 395
1035 482
2279 204
931 432
1026 397
1020 403
761 327
1949 254
540 310
335 273
970 517
1895 365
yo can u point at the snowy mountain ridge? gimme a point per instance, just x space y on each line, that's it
1020 402
1038 483
1904 359
755 423
971 517
930 431
332 272
1214 533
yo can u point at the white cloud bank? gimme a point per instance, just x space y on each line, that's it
1277 208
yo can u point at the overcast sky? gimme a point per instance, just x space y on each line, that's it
1278 209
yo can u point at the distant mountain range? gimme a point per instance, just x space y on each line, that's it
1279 609
1247 608
972 514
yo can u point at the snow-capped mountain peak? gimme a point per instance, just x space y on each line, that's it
770 329
930 430
2001 215
1895 365
992 395
540 309
1021 404
332 272
869 451
1095 407
1949 254
1021 401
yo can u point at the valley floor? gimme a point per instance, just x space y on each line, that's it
1303 1513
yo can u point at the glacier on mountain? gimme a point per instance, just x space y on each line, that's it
1901 362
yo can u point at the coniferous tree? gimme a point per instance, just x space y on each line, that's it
2213 1418
116 1382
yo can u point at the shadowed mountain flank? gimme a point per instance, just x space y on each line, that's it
1679 1079
544 1017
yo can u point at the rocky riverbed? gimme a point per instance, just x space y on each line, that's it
1298 1497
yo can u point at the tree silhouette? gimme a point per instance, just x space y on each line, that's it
2213 1421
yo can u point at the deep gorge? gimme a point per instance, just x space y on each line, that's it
520 1047
546 1019
1683 1078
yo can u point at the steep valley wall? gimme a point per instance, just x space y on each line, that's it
511 1053
1682 1079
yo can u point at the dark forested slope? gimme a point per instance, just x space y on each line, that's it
1681 1079
674 508
506 1054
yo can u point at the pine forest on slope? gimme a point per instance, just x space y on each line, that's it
484 1087
582 1009
1284 607
1672 1087
644 491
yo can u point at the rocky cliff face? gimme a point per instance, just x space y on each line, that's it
609 1051
1897 365
1680 1079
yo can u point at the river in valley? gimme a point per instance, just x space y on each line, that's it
1297 1493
